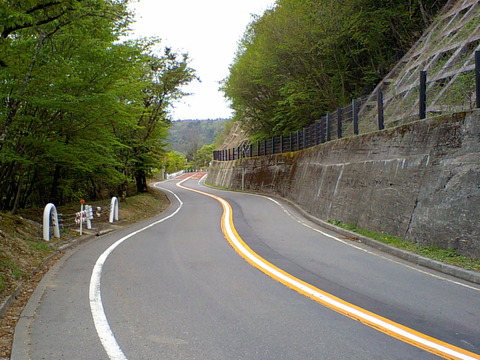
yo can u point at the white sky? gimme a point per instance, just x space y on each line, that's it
209 31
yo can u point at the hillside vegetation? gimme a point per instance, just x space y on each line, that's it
188 136
303 58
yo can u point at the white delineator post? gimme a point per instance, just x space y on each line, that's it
49 212
114 209
81 216
89 215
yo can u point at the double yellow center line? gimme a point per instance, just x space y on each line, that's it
391 328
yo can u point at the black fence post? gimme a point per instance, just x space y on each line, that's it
327 127
422 114
322 130
273 145
355 116
339 122
477 78
381 119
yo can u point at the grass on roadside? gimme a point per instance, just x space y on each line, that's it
22 248
449 256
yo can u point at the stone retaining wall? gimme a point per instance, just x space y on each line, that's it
419 181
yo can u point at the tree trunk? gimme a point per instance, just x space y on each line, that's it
141 181
54 196
19 192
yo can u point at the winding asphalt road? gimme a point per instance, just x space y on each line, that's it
238 276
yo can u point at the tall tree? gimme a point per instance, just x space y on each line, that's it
305 57
164 77
70 92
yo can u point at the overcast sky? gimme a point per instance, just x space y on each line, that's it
209 31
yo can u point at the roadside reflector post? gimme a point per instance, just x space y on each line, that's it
114 210
50 215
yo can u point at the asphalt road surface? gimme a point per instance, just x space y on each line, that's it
241 276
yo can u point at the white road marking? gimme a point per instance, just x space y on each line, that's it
349 243
333 302
114 351
102 326
401 332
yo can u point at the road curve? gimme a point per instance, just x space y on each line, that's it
174 288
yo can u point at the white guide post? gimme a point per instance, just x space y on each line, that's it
114 209
89 216
81 216
50 213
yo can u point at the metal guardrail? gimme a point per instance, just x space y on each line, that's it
350 120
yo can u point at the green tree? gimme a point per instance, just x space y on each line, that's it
204 156
50 91
81 113
303 58
165 75
173 162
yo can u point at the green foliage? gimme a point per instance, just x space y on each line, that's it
188 136
173 162
9 266
39 246
303 58
81 113
204 156
433 252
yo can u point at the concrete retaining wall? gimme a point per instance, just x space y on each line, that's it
420 181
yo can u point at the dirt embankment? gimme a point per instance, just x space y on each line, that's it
25 257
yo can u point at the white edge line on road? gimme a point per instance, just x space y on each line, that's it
387 326
339 305
366 250
102 326
349 243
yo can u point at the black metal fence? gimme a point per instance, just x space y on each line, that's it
344 122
